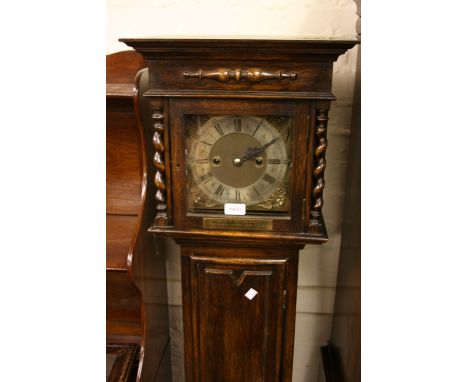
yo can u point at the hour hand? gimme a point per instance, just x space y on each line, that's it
253 152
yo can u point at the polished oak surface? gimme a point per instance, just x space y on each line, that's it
235 337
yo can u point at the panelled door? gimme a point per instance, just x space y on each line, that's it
237 320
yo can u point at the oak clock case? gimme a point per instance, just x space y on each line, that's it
245 122
238 152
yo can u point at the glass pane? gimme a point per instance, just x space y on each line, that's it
238 159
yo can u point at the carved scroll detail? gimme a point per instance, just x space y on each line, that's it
251 75
319 165
158 161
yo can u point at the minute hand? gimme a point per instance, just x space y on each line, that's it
252 152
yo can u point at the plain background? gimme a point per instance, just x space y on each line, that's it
52 157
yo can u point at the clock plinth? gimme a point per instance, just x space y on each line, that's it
240 123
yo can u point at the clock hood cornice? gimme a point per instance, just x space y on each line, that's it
315 50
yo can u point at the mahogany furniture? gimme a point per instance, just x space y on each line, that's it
236 140
136 280
120 360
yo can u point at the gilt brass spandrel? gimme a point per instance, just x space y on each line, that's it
238 224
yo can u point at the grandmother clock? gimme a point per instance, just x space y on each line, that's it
236 140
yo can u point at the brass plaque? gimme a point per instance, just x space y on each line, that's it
238 224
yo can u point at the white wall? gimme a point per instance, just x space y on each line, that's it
146 18
318 265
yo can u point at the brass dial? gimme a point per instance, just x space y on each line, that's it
238 159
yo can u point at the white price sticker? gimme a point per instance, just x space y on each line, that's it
251 294
234 209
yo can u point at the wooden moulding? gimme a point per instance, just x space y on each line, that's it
225 49
244 94
265 239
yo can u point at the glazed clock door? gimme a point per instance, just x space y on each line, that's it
237 323
239 152
239 159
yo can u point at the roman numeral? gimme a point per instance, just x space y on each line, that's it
206 143
206 177
268 178
237 125
218 128
201 161
238 196
256 191
219 191
257 127
274 161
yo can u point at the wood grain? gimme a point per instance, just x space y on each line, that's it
227 336
315 77
123 314
121 67
120 230
123 165
123 199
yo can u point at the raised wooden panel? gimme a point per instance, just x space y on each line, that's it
239 338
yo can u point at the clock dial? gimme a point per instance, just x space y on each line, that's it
239 159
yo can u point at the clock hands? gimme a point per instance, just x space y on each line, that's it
253 152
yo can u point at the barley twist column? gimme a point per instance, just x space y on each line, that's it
158 161
320 163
